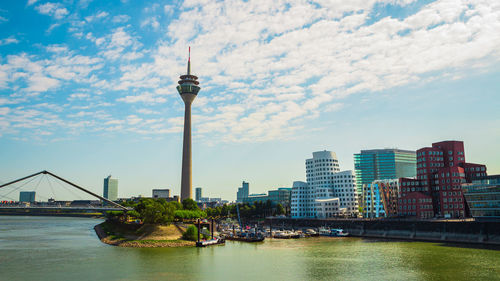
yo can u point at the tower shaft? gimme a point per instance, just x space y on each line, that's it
186 180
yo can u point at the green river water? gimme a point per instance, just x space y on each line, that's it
52 248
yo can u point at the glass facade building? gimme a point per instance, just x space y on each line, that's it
27 196
110 190
242 192
483 196
381 164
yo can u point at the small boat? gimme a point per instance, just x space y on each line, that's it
257 238
215 241
338 232
334 232
310 233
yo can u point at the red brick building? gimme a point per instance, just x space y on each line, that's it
441 170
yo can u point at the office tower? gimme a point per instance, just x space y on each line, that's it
381 164
242 192
110 190
198 194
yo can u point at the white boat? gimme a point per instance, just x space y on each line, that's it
334 232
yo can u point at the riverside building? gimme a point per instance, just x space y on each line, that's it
483 197
380 198
437 189
325 182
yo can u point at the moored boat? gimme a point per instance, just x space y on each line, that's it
210 242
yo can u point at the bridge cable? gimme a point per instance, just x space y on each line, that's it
19 187
51 188
68 189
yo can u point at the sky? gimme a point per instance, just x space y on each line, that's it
87 88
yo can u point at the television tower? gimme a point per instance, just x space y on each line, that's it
188 89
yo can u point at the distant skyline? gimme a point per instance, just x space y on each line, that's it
87 88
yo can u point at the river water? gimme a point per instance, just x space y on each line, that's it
51 248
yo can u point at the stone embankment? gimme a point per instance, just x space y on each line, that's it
148 236
440 231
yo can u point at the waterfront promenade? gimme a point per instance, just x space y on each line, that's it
477 232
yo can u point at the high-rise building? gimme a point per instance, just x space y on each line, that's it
325 181
161 193
242 192
27 196
381 164
188 89
110 190
198 194
441 171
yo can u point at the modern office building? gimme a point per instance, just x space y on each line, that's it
188 89
242 192
483 197
161 193
380 198
381 164
324 181
255 197
281 196
198 194
303 205
27 196
441 171
110 190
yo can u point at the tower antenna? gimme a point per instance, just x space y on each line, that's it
189 62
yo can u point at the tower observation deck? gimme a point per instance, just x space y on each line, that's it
188 89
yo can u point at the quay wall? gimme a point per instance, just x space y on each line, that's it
487 232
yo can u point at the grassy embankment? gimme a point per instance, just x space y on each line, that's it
127 235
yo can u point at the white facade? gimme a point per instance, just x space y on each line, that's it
328 208
324 181
302 202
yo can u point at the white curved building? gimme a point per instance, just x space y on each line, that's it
324 182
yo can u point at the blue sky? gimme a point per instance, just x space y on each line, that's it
87 88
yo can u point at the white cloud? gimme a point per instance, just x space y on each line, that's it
31 2
55 10
97 16
121 18
145 97
151 21
168 9
9 40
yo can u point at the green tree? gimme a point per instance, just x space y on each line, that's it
189 204
280 210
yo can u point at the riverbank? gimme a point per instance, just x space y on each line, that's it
145 236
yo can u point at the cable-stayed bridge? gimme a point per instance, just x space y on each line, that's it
46 186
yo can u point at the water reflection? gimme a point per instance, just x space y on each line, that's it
45 248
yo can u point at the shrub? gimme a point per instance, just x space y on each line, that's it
191 233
